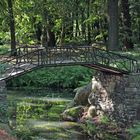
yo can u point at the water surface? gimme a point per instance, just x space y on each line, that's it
36 115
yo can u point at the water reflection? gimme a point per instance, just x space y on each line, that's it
36 115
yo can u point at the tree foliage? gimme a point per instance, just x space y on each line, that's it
51 22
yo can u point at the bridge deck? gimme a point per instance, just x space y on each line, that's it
30 58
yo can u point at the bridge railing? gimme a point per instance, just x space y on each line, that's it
30 57
119 61
88 54
21 63
19 51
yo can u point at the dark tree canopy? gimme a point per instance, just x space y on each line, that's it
75 22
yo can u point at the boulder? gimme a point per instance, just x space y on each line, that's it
91 113
73 114
82 93
100 99
94 97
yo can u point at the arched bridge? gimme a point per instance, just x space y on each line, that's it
30 58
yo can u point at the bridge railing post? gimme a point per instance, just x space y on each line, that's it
41 56
134 66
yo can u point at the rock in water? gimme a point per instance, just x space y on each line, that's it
82 93
73 114
100 98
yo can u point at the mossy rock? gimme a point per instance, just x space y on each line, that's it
73 114
82 94
54 113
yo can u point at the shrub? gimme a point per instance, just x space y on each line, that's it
58 77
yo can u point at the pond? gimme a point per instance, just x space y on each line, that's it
36 115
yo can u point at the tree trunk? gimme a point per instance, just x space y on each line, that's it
50 33
77 26
12 28
38 31
83 26
113 40
48 36
88 26
69 25
127 41
76 18
44 37
62 34
139 30
51 38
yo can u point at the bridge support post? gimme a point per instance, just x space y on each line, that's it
124 91
111 95
3 106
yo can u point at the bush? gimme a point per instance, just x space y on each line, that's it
58 77
4 48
